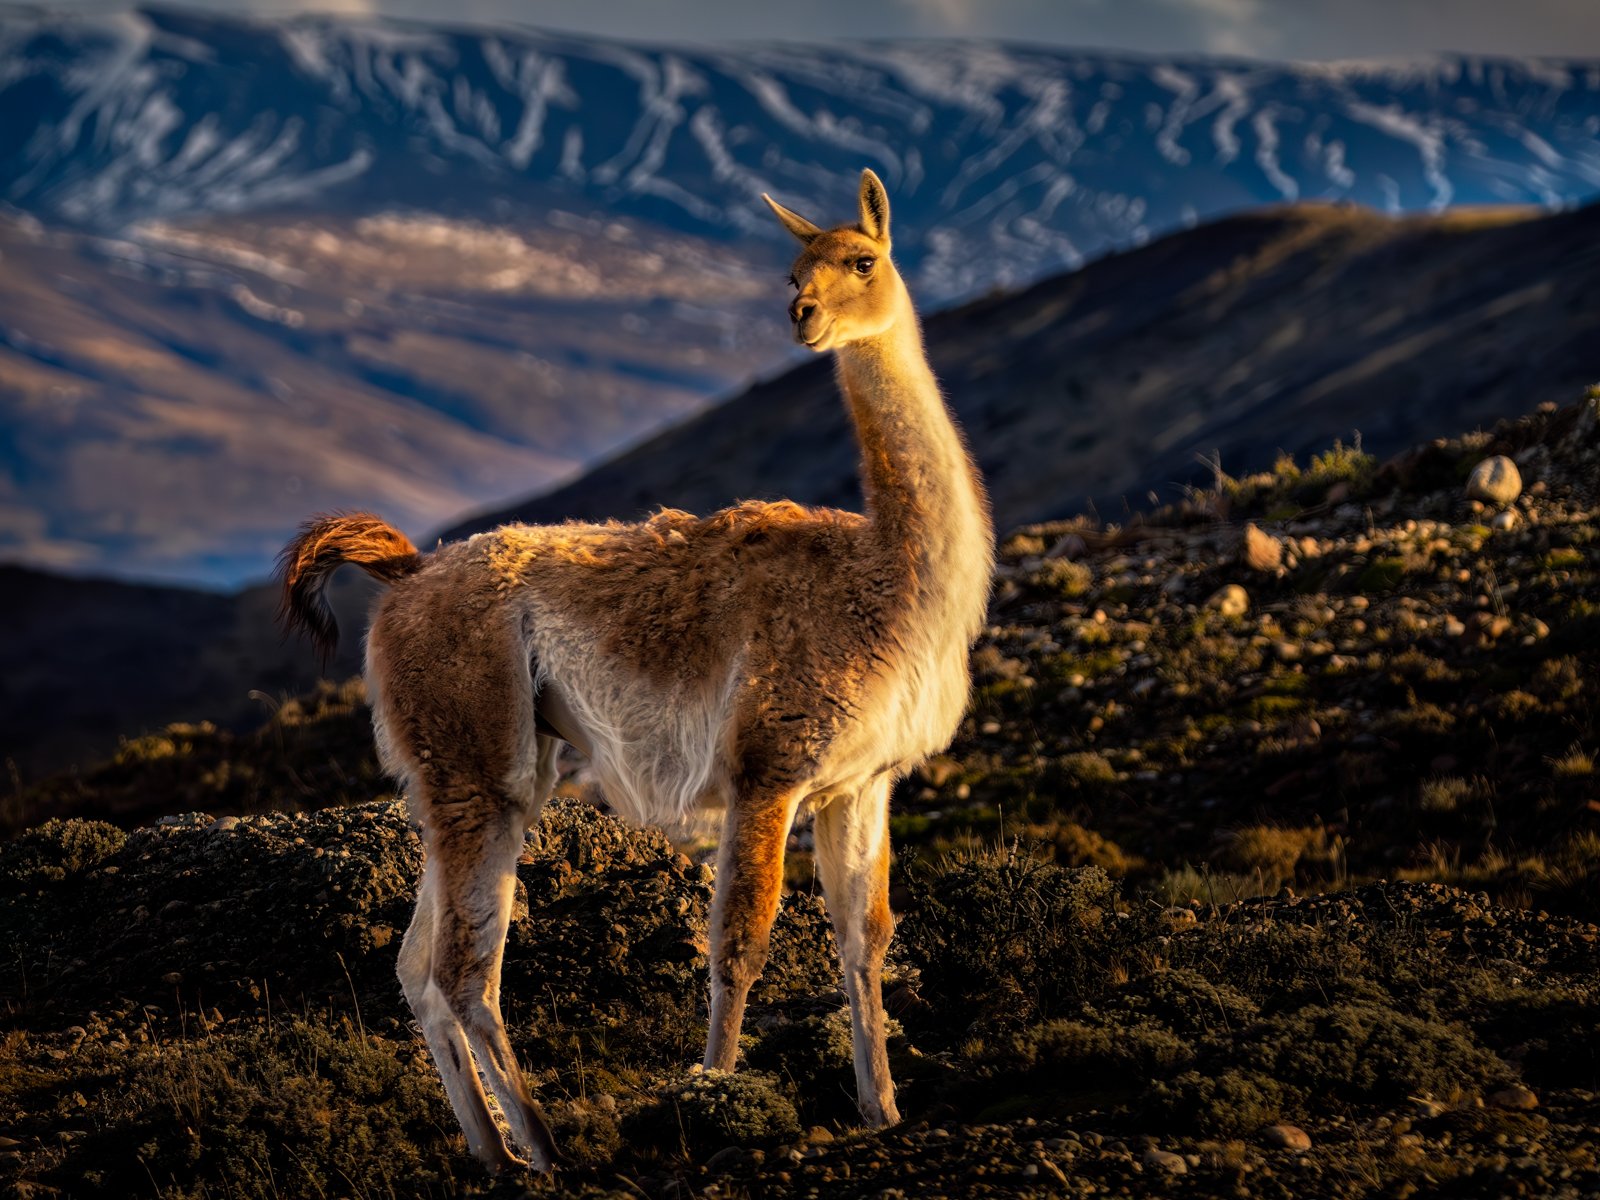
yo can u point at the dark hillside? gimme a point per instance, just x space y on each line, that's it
1280 330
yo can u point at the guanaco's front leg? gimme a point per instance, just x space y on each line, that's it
852 841
749 884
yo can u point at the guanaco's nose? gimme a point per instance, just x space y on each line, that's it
801 308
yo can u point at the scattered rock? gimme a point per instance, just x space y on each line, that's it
1070 545
1515 1098
1504 522
1495 481
726 1157
1231 601
1165 1160
1286 1137
1482 628
1262 551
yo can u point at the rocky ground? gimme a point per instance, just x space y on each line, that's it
1266 865
1309 677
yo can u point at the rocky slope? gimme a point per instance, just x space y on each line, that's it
1265 865
208 1005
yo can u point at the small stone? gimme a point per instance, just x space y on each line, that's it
1427 1109
1495 481
726 1157
1178 916
1165 1160
223 824
1286 1137
1071 546
1504 522
1230 601
1516 1097
1262 551
1484 627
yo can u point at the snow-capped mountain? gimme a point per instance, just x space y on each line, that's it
251 269
1004 163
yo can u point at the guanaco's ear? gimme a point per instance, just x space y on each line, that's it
793 221
874 207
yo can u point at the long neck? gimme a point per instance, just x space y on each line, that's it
924 499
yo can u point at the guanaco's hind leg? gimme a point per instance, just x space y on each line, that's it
454 708
749 884
443 1032
852 847
477 881
450 969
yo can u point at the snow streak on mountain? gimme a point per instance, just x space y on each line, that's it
1004 163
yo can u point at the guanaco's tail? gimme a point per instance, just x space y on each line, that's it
325 543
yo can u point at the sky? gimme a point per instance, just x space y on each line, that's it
1274 29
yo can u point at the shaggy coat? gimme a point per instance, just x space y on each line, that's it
739 667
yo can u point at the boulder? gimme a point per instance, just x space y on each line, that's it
1261 551
1230 601
1495 481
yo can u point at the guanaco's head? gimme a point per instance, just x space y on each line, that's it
846 289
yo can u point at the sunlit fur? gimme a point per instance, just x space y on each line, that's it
745 666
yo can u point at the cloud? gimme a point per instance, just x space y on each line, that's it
948 16
1306 29
1231 27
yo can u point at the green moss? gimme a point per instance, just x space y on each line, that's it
1290 683
298 1109
910 827
1090 666
1084 769
1341 464
1185 1001
1382 574
707 1112
1269 708
1366 1052
1008 938
1223 1104
1081 1055
1062 577
55 851
1077 846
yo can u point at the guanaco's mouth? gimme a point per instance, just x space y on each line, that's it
816 340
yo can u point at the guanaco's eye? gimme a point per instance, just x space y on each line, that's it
864 265
793 282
